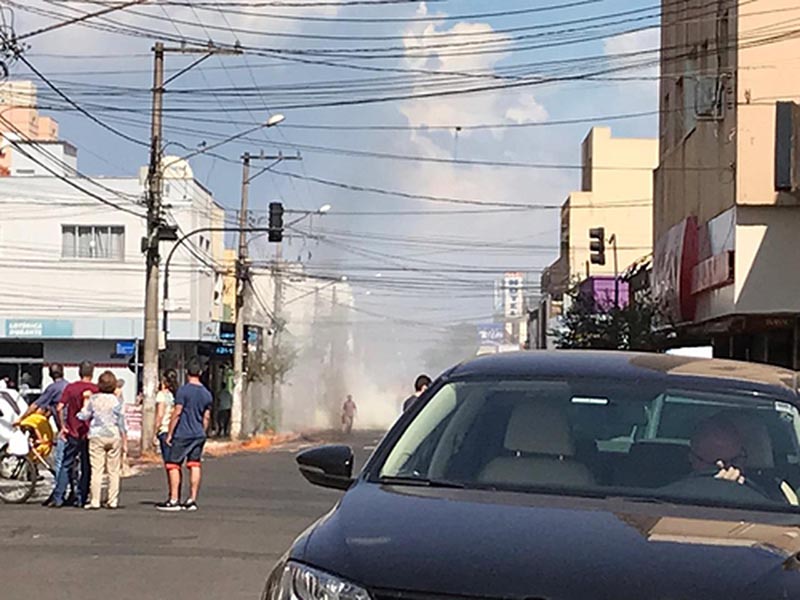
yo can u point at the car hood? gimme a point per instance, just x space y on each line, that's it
521 546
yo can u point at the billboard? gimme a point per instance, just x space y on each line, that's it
513 287
491 334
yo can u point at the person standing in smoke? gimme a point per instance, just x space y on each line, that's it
349 410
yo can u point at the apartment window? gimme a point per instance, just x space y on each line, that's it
93 242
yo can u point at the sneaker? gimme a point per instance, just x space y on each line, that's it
169 506
190 505
91 507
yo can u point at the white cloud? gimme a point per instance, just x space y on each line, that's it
638 41
423 43
635 52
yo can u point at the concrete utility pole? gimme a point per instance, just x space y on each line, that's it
238 344
277 310
240 408
150 247
158 230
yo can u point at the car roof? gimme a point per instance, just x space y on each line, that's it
632 366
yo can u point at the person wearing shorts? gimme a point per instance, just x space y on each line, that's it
186 437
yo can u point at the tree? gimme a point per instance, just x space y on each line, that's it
589 325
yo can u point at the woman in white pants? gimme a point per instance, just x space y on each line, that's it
107 438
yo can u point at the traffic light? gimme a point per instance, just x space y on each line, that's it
597 245
275 222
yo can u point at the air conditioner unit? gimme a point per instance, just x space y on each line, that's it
707 95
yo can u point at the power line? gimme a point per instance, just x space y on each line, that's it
79 19
77 107
446 199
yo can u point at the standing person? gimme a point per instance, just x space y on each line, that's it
349 410
48 401
107 438
224 412
421 384
187 436
119 388
75 433
165 401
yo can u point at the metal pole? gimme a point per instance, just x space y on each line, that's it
238 409
277 308
154 189
616 272
136 365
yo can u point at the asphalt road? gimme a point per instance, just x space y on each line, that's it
251 508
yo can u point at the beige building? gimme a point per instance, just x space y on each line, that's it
616 194
727 190
20 120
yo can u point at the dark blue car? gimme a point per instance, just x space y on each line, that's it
567 476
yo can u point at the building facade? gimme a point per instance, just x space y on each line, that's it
20 120
71 259
616 194
727 192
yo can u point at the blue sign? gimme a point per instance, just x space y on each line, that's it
35 328
126 348
491 334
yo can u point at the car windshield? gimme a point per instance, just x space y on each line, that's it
587 437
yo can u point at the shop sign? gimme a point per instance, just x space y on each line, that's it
713 273
35 328
757 323
209 331
673 260
126 348
133 421
491 334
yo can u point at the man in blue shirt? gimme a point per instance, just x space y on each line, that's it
187 436
48 401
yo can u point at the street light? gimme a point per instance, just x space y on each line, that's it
272 121
304 214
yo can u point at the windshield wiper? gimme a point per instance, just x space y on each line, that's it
420 481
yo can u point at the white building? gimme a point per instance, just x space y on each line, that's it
73 269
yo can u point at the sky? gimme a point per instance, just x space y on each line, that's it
414 271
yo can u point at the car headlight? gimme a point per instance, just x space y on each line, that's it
293 581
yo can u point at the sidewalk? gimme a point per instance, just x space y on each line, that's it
215 448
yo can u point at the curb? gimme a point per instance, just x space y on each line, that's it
215 448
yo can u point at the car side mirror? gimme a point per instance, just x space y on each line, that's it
328 466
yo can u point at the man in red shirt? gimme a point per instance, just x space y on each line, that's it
76 433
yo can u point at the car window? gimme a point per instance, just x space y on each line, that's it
575 436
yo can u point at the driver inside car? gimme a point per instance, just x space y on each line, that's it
718 458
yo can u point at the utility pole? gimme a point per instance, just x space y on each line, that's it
277 309
613 241
157 230
238 348
150 247
241 409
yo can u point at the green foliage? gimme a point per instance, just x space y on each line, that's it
585 325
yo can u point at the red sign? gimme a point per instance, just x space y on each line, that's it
713 273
